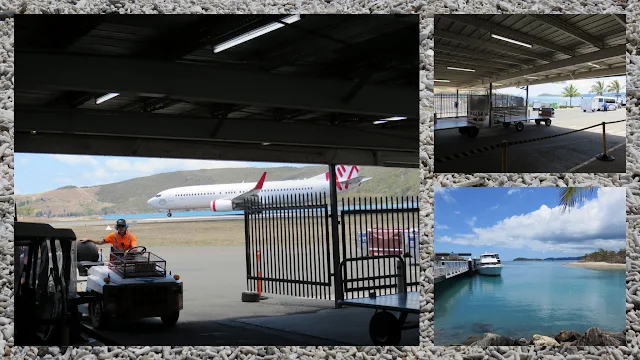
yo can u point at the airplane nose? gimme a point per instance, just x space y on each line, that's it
150 201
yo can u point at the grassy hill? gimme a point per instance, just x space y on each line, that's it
131 196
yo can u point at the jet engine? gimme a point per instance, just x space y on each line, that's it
222 205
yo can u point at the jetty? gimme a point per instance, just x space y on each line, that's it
449 265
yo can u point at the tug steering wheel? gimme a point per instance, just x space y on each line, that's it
144 249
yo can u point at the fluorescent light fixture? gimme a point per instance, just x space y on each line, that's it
106 97
380 122
496 84
395 118
510 40
593 65
461 69
255 33
531 77
442 80
266 144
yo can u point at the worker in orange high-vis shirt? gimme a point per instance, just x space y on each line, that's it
121 240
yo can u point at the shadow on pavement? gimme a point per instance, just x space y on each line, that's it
555 155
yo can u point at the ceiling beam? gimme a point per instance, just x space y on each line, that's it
160 148
613 71
554 21
621 18
484 44
202 83
608 53
147 125
449 60
59 33
496 29
473 55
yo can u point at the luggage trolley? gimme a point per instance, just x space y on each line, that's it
385 328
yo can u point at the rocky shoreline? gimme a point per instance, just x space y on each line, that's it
591 337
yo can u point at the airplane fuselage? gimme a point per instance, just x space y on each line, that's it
201 196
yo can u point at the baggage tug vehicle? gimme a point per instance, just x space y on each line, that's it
131 284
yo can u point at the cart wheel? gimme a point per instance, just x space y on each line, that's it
584 110
537 122
462 130
547 122
384 329
519 126
170 319
506 125
473 132
99 319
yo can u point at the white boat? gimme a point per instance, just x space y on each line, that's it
490 264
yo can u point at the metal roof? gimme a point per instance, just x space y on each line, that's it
562 47
343 71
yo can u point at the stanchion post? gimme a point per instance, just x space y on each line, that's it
504 156
604 156
259 282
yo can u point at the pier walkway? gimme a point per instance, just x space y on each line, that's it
448 266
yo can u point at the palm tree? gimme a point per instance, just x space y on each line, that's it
598 88
615 86
571 196
570 92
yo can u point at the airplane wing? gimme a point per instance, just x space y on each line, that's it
241 198
355 180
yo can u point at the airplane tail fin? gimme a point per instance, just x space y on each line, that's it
343 173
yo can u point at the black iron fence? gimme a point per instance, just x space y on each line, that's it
459 105
290 250
288 246
375 230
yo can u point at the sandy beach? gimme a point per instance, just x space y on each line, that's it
598 265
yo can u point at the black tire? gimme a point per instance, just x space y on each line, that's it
384 329
99 319
250 296
506 124
547 122
473 132
87 251
537 122
584 110
462 130
170 319
519 126
169 214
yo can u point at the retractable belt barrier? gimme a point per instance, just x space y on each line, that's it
504 144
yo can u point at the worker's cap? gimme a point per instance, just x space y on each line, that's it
121 222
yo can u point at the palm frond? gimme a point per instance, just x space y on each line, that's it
572 196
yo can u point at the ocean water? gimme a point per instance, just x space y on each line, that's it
530 297
211 213
565 100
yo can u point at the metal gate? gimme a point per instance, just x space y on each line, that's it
290 251
288 244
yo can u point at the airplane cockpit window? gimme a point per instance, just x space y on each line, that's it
158 195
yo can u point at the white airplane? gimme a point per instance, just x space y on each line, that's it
231 197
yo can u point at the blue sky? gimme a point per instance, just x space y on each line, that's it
527 222
36 173
583 85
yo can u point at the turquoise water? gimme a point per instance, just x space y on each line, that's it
530 297
211 213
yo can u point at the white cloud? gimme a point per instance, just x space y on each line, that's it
472 221
445 192
99 175
513 191
75 159
457 212
495 207
440 226
599 223
156 165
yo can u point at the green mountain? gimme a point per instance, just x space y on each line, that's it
130 196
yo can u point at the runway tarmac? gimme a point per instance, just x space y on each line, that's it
214 279
110 222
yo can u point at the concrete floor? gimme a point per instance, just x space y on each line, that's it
560 154
214 278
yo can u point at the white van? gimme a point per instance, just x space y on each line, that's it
596 103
